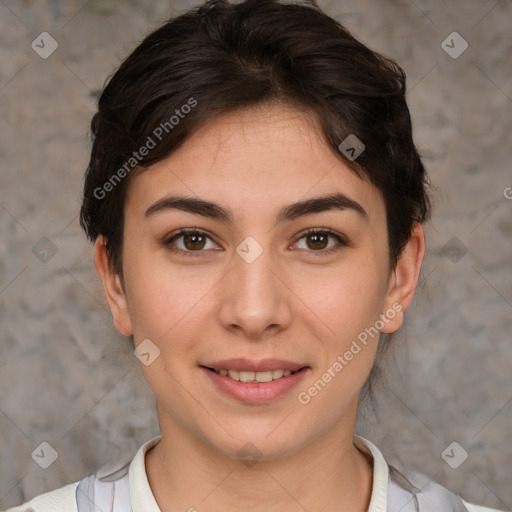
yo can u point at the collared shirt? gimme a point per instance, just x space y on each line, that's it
126 489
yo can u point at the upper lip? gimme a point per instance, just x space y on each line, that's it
246 365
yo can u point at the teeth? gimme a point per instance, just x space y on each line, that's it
242 376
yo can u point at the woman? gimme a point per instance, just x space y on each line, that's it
256 202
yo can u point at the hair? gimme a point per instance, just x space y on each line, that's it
220 57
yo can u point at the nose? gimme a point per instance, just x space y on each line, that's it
255 297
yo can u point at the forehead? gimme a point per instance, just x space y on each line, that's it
260 157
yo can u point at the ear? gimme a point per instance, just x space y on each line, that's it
112 288
404 278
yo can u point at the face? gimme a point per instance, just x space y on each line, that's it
267 273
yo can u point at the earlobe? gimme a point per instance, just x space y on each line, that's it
404 279
112 288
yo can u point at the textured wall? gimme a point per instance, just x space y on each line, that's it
67 377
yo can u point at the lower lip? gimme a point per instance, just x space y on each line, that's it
256 392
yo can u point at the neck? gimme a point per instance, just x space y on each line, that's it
329 474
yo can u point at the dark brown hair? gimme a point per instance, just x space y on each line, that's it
220 57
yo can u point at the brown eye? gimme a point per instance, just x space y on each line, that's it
194 241
191 241
317 240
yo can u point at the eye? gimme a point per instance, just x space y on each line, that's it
193 240
317 240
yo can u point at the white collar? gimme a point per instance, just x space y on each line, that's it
142 498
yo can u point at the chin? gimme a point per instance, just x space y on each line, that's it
256 443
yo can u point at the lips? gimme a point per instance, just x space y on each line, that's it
254 392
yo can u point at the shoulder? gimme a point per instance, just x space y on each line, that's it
59 500
478 508
107 489
431 496
399 488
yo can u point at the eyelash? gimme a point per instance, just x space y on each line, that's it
342 242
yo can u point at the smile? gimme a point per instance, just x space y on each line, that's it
242 376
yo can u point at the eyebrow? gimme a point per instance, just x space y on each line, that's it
286 213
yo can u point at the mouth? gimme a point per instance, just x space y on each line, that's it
254 387
253 377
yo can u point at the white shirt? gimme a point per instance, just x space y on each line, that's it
126 488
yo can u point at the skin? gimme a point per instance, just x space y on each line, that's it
295 301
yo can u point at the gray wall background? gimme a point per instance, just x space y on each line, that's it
68 378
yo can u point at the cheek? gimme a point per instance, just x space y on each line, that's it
168 304
349 304
158 295
347 301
